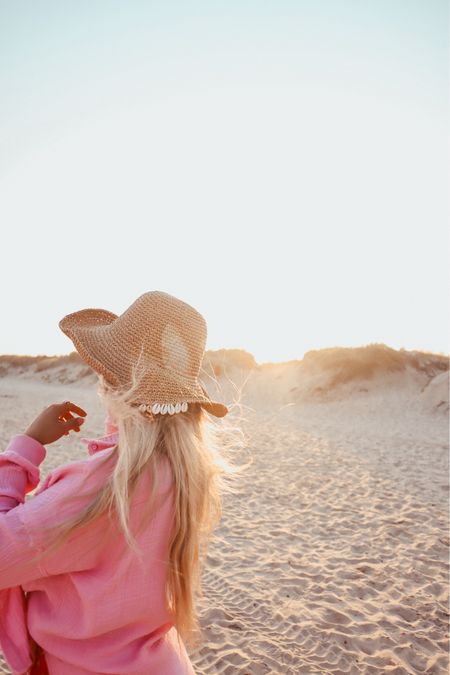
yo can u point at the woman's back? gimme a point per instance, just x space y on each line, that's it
108 614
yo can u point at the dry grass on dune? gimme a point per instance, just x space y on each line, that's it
239 358
41 361
64 369
358 363
349 363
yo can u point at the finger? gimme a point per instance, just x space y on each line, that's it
75 424
68 406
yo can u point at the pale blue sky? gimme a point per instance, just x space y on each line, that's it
281 166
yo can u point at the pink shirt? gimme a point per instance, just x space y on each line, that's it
92 610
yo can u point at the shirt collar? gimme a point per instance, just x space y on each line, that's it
97 444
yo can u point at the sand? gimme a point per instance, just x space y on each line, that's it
333 555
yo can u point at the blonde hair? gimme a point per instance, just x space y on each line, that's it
197 450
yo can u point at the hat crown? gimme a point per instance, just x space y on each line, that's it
164 329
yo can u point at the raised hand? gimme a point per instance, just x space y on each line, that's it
55 421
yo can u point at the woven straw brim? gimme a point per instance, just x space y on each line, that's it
89 330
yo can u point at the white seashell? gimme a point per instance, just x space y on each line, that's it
156 408
184 406
177 407
142 407
171 409
163 409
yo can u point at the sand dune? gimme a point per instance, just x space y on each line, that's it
333 556
322 375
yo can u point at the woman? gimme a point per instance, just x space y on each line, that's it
109 550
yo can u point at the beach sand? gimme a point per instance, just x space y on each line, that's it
333 555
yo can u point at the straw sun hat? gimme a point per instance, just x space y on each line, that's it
161 335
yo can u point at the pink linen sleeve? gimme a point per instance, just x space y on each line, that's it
19 470
21 538
20 526
19 473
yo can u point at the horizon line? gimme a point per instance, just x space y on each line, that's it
246 351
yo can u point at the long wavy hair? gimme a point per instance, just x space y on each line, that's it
198 450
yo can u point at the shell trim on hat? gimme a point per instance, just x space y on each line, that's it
164 408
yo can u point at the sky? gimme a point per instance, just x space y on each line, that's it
280 166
